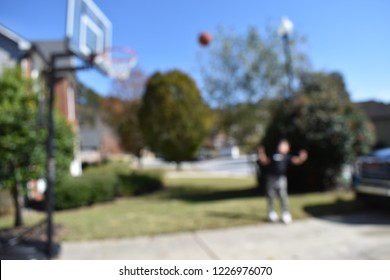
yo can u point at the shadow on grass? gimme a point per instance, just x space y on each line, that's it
235 216
205 194
349 212
139 183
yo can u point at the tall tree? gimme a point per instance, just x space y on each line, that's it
240 71
22 139
20 136
120 110
129 130
323 120
173 117
122 116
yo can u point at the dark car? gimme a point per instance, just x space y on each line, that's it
372 176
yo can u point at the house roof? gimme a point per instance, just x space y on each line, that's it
23 44
49 47
44 48
375 110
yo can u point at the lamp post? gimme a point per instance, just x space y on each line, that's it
285 29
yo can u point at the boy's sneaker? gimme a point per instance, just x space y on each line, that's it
272 216
286 218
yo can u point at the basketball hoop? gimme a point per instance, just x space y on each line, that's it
117 62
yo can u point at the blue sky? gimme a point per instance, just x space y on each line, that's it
352 37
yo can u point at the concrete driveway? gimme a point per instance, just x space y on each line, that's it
357 236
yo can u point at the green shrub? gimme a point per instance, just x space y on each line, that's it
85 190
103 187
104 183
137 183
72 193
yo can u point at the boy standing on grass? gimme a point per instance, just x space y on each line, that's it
276 180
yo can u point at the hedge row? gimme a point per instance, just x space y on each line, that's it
94 187
139 183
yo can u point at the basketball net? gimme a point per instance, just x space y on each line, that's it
117 62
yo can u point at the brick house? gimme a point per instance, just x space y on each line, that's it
33 58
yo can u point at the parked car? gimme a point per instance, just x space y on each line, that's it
372 176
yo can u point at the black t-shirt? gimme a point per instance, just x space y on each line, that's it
279 164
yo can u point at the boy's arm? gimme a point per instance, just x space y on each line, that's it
264 160
301 158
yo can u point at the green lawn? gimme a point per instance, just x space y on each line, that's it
186 205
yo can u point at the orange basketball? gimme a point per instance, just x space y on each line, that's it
205 38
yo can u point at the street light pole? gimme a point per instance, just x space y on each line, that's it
285 29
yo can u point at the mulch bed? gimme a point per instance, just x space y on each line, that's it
27 242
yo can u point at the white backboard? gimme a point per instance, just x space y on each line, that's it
88 30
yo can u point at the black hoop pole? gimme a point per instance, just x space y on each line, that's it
50 158
50 147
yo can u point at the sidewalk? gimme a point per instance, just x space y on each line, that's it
357 236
